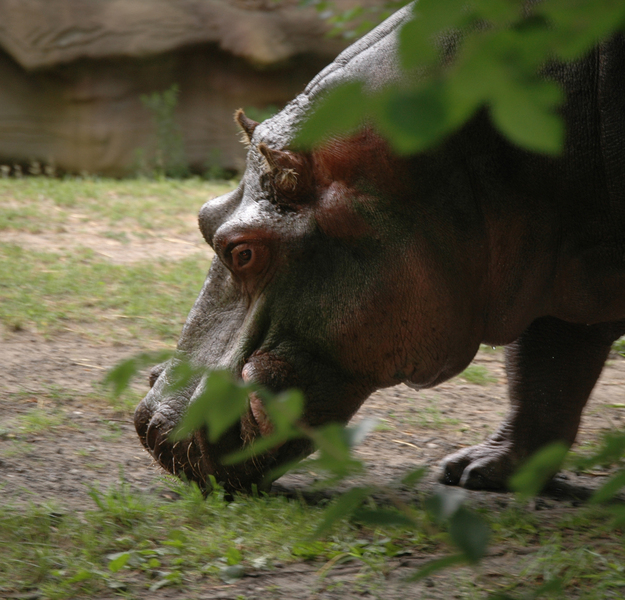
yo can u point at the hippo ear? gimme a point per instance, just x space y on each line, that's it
285 167
246 124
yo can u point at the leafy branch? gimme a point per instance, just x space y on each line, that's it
460 56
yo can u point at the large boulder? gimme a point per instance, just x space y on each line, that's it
74 71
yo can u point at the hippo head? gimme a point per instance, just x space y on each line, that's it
321 281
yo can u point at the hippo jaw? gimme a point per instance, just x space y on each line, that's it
198 459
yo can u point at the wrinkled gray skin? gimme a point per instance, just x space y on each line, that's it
374 269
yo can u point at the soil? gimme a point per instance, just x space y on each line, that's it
91 442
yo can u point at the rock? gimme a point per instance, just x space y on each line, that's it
74 71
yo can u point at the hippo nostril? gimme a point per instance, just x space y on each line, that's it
155 437
151 438
142 420
155 373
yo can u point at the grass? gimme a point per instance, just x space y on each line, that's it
54 291
34 204
79 289
126 540
427 414
37 420
32 416
478 375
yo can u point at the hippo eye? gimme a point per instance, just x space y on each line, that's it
242 256
245 256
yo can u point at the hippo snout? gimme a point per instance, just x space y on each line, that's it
182 458
194 458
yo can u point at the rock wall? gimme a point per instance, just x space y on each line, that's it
73 72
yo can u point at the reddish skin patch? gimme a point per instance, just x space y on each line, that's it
356 171
336 217
364 156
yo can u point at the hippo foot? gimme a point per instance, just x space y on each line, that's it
487 466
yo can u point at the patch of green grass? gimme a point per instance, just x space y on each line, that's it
113 431
50 292
23 217
32 203
130 540
478 375
619 346
427 414
15 447
38 420
488 349
592 574
34 421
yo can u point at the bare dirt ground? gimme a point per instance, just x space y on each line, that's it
91 442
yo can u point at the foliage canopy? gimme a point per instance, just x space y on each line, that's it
462 55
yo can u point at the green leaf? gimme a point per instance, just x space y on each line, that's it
220 405
339 112
118 561
494 71
356 434
437 565
445 503
259 446
81 575
618 516
233 556
284 409
413 477
609 489
580 24
527 122
413 119
182 374
120 375
470 533
383 517
418 38
333 442
532 476
611 451
280 470
342 508
498 12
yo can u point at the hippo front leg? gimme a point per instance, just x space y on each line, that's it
551 369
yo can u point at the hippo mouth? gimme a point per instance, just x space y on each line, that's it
197 459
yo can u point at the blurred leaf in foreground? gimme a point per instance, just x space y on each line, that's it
532 476
120 375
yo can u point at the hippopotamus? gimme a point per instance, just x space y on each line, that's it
347 268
